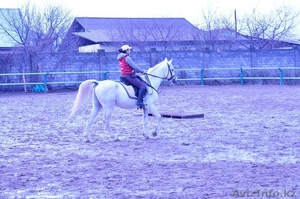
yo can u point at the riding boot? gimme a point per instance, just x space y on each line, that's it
140 98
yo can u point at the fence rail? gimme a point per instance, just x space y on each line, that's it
241 76
201 79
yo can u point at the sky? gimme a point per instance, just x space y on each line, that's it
189 9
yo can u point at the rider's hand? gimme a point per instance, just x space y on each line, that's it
144 72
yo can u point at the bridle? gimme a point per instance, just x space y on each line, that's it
172 78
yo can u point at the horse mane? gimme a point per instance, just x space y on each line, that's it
154 68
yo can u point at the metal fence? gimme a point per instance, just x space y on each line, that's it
241 77
199 76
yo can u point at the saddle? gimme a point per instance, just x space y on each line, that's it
131 90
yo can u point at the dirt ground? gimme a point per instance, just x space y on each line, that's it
247 145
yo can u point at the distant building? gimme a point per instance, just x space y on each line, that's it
90 48
229 39
142 33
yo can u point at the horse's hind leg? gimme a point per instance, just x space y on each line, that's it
96 108
107 116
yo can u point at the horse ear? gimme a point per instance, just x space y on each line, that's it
170 61
166 59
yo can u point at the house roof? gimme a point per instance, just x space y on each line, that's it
224 34
6 14
132 29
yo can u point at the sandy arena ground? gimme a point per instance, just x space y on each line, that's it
247 145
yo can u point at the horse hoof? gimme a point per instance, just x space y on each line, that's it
154 134
117 140
146 137
86 139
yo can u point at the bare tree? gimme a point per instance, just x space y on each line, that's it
267 30
263 30
219 32
36 29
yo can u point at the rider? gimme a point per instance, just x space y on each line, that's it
129 70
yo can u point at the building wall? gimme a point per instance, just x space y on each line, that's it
106 61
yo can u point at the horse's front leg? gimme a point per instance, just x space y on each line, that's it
158 117
145 121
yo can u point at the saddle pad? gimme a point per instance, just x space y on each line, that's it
129 89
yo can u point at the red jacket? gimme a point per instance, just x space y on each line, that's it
125 67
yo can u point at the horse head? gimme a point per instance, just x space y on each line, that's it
163 71
171 75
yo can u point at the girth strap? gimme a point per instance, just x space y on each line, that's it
127 91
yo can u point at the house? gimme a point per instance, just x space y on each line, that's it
142 33
224 39
229 39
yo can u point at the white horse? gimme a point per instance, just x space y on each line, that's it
107 94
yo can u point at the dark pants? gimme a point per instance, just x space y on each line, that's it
137 82
134 81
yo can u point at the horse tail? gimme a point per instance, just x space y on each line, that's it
84 91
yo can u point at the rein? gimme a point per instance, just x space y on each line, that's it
169 71
149 83
148 80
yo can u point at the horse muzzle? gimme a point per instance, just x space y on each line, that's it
173 79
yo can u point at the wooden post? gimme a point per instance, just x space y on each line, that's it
23 77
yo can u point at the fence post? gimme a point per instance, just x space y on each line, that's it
45 81
281 76
105 75
242 76
201 76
